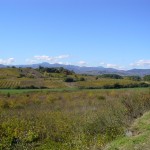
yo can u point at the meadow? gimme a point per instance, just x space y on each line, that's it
70 120
55 109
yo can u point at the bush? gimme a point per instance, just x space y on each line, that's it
111 76
8 94
134 78
69 79
82 79
147 78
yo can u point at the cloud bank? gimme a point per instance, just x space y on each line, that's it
45 58
82 63
141 63
8 61
108 65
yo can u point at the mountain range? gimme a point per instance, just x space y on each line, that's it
88 70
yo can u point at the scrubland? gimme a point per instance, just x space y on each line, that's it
56 109
70 120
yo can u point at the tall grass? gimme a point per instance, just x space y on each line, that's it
70 120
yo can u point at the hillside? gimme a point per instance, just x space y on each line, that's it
6 73
138 136
93 70
29 78
16 78
88 70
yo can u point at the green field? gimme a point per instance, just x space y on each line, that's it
17 91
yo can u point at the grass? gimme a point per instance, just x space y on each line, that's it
68 119
140 138
9 73
12 78
79 115
15 91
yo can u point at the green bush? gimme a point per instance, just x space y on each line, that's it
82 79
134 78
111 76
69 79
146 78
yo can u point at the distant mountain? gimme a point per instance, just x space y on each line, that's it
76 69
89 70
140 72
2 66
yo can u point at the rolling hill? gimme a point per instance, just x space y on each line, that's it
88 70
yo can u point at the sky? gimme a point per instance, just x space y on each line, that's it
108 33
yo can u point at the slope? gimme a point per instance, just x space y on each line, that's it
138 137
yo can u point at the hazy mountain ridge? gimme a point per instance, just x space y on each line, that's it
2 66
89 70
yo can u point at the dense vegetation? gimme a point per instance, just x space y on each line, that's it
68 120
147 78
55 70
66 114
111 76
134 78
138 136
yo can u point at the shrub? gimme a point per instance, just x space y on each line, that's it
69 79
8 94
134 78
101 97
147 78
82 79
111 76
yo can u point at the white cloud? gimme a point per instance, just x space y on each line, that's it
82 63
30 61
112 66
46 58
7 61
62 56
64 63
141 63
51 59
102 63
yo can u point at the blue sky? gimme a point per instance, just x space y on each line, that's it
109 33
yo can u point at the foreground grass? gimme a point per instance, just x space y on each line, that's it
68 120
140 138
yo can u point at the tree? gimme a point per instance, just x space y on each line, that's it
134 78
146 78
111 76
